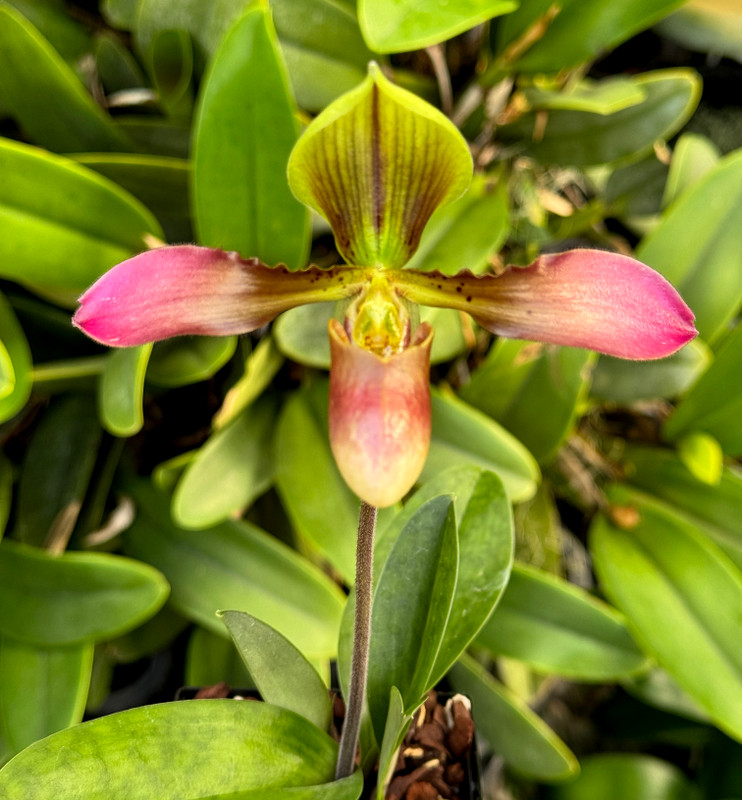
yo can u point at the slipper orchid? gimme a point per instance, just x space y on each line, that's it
376 164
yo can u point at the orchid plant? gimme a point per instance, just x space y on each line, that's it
376 164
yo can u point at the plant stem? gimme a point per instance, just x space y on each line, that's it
361 639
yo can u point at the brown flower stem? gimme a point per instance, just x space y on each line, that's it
361 639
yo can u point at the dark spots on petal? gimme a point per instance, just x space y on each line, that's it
440 286
468 298
458 289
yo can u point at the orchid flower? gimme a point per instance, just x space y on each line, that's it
376 164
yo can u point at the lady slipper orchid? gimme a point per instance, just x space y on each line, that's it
376 164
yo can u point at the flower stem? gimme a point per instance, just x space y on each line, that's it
361 639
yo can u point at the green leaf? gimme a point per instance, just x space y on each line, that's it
6 491
397 723
378 217
282 674
171 58
394 26
695 247
659 573
713 405
533 391
692 158
301 334
69 37
157 135
306 475
580 31
463 435
42 691
555 627
411 608
120 13
242 143
715 510
185 360
713 26
53 243
230 471
76 597
211 658
618 776
583 139
161 183
44 94
619 381
237 565
702 455
16 355
57 470
349 788
467 232
527 745
606 96
121 390
118 70
150 752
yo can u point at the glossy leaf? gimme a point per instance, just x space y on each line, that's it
397 723
696 250
659 573
172 69
598 97
349 788
150 751
702 455
555 627
281 673
582 139
692 158
306 475
237 565
406 634
47 98
713 405
68 36
16 358
533 391
301 334
56 244
715 510
121 390
707 26
242 143
179 362
230 471
467 232
454 332
620 381
390 26
527 745
580 31
463 435
118 70
618 776
42 691
57 471
76 597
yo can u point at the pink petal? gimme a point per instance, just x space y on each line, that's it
187 289
380 415
582 298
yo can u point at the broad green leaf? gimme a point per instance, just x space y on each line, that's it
634 192
230 471
526 744
120 13
158 136
301 334
151 752
57 470
242 142
6 491
171 66
533 391
348 166
695 247
463 435
16 355
659 573
715 510
306 475
582 139
156 634
707 26
56 244
580 31
393 26
42 691
161 183
465 233
237 565
118 70
211 658
411 608
656 688
349 788
692 158
454 333
556 627
598 97
282 674
121 390
184 360
619 776
167 473
713 405
619 381
44 94
702 455
395 728
69 37
76 597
